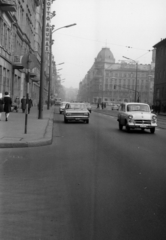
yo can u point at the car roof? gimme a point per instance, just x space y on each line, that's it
135 103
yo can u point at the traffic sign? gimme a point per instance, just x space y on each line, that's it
29 61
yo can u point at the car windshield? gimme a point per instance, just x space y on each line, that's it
138 107
77 106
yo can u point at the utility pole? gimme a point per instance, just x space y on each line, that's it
42 67
50 70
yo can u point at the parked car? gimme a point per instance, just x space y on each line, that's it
62 107
115 107
136 115
76 112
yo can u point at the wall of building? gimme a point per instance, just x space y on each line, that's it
160 77
20 33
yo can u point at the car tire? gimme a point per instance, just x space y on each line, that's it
120 126
65 120
87 121
127 128
60 112
152 130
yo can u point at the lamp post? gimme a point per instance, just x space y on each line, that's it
50 69
150 88
67 26
135 97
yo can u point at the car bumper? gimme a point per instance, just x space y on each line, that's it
76 118
134 125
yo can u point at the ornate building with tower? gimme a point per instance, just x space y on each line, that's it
116 82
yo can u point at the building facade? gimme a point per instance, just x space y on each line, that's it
116 82
160 76
21 34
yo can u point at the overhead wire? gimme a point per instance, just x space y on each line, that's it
95 40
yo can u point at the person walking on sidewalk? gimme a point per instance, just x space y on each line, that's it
30 104
17 104
7 105
23 104
1 105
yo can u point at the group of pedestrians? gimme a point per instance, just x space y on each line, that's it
103 105
6 105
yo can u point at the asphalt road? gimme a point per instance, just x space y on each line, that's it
94 182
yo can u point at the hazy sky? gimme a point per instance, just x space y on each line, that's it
116 24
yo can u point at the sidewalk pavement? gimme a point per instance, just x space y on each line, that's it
161 118
39 131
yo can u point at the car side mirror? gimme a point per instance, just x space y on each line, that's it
151 110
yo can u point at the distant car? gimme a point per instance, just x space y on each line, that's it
136 115
115 107
57 101
89 107
76 112
62 107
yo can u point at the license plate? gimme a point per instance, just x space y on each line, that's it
77 118
143 126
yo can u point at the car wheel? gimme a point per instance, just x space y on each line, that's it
87 121
65 120
120 126
60 112
152 130
127 128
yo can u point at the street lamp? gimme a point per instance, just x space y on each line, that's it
67 26
50 70
135 98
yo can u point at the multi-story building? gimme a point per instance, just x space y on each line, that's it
20 34
160 76
116 82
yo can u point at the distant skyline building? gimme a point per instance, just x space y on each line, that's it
115 82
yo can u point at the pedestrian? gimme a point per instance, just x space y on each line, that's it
7 105
23 104
1 105
30 104
17 104
102 105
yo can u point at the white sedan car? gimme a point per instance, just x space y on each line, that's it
136 115
76 112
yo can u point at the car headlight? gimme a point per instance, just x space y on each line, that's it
154 117
86 114
130 117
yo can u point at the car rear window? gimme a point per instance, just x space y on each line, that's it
77 106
